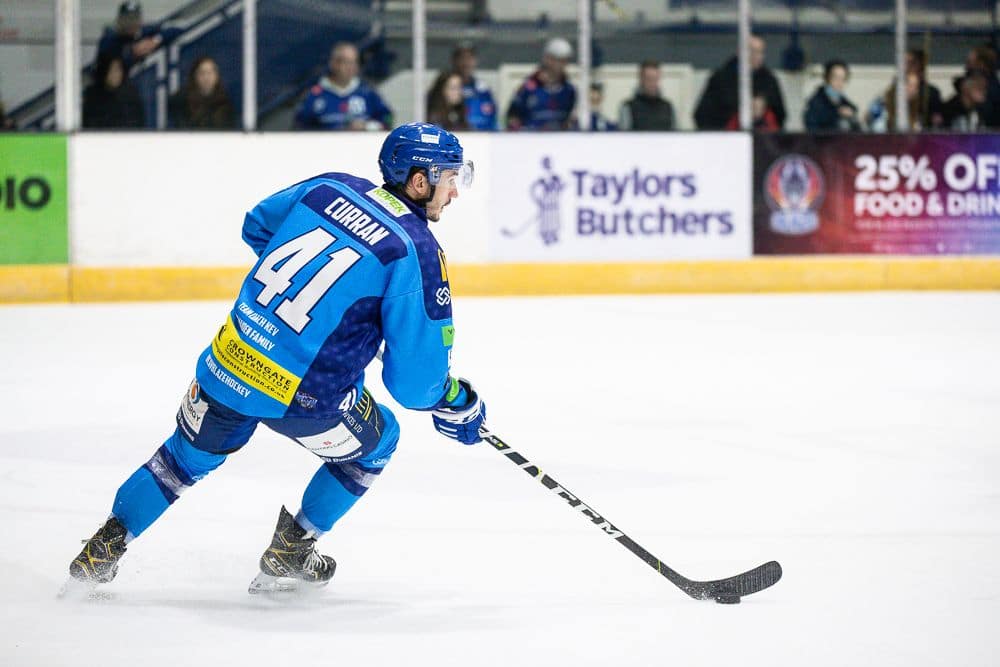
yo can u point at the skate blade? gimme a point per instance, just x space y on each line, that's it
266 584
74 589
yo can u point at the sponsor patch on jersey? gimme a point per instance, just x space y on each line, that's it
444 265
388 201
192 411
305 400
340 210
253 367
448 335
337 444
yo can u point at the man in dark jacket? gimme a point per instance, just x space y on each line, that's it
829 110
982 60
720 100
963 112
647 110
129 39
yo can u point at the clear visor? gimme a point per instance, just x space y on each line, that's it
458 174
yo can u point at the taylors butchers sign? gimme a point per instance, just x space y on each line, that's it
620 197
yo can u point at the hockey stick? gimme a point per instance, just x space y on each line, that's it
725 591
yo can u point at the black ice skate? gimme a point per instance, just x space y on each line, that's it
98 561
291 560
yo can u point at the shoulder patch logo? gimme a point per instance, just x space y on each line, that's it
448 335
388 201
444 266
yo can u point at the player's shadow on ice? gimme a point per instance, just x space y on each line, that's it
299 613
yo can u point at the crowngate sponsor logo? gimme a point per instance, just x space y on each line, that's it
623 203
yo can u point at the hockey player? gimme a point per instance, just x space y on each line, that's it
344 265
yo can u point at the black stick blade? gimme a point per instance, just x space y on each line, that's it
751 581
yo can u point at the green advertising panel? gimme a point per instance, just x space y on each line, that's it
33 227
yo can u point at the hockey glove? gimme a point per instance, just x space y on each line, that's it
461 419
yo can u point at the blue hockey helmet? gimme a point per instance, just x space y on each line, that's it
425 146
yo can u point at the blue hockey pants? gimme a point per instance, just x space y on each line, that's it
355 447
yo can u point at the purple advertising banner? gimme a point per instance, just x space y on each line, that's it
877 194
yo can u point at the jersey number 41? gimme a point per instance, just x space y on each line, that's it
293 256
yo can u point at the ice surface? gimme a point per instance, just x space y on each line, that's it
852 437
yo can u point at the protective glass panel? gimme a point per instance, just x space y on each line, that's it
27 65
167 64
337 73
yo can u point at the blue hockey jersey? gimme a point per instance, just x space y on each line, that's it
343 265
329 107
539 107
480 109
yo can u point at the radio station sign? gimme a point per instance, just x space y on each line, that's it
33 199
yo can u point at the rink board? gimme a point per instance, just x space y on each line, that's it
87 284
549 215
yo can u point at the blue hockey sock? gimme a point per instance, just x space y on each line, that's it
151 489
330 493
337 486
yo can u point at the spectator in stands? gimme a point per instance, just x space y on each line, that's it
983 60
546 99
129 39
764 118
829 110
445 103
929 101
111 101
480 108
881 115
598 121
6 124
202 104
647 110
963 112
341 100
720 99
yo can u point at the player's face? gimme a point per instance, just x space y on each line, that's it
445 191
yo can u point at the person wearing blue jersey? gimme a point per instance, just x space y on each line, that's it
480 108
345 267
546 99
341 100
